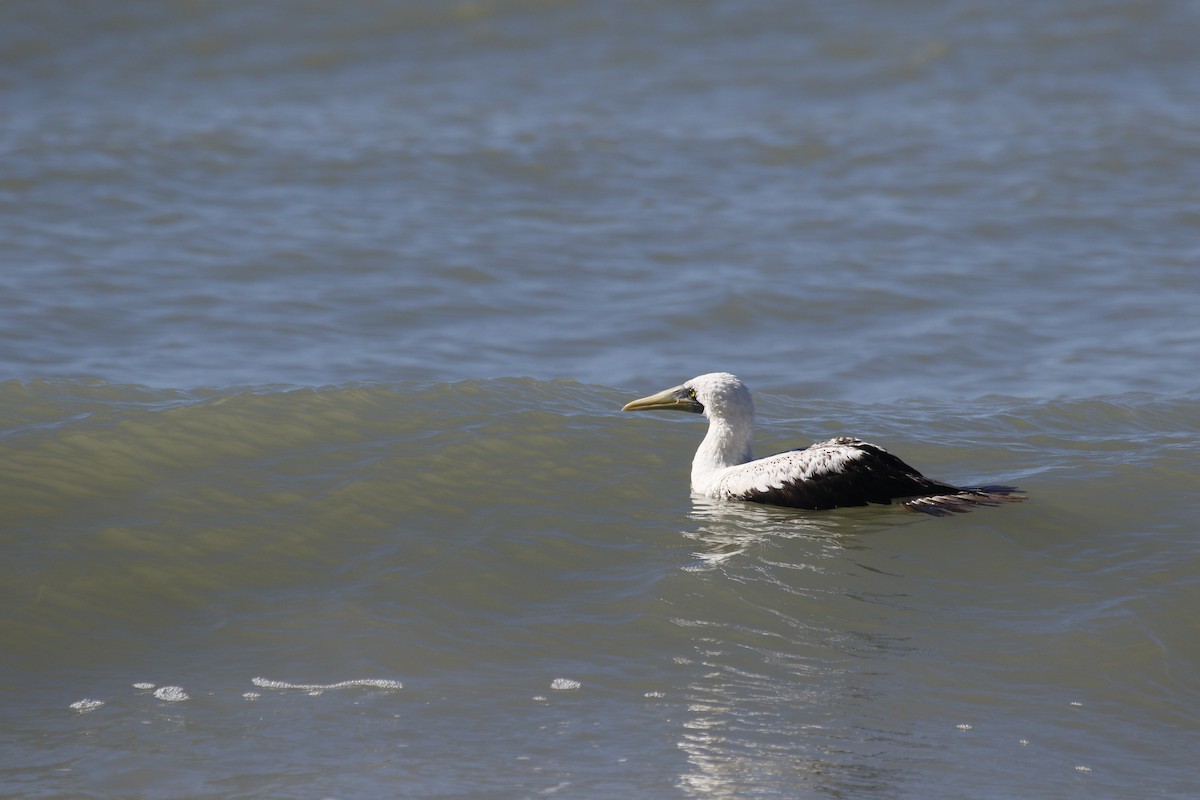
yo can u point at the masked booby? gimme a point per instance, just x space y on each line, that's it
837 473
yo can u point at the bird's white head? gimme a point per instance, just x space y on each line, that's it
717 395
722 395
726 402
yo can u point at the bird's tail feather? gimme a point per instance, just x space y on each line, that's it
966 499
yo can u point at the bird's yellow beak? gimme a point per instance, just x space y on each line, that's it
676 399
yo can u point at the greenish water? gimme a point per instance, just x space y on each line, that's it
525 564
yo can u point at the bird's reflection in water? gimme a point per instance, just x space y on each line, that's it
789 630
729 528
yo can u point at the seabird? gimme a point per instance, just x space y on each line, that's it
833 474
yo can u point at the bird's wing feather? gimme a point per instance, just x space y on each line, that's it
832 474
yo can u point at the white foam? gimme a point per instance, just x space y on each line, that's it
251 695
361 683
172 694
564 684
143 686
85 705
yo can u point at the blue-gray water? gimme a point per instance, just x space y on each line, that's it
315 321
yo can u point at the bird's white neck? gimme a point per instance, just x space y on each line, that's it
727 444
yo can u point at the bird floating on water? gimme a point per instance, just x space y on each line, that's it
833 474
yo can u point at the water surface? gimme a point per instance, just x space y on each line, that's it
315 322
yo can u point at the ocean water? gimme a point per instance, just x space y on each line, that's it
315 324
